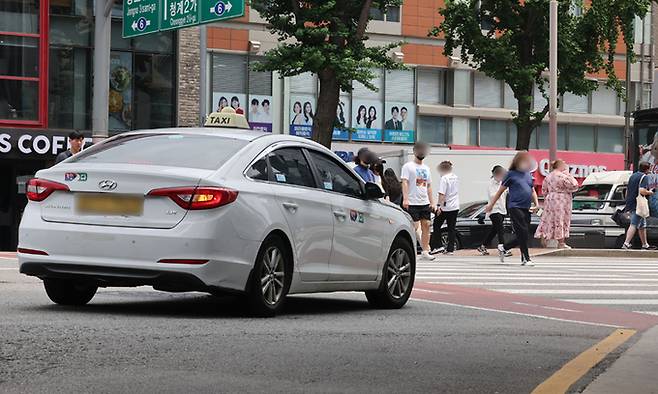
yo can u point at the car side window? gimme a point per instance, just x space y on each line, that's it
335 177
259 170
289 166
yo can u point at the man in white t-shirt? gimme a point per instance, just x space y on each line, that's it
447 209
417 196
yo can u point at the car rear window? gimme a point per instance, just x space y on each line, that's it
176 150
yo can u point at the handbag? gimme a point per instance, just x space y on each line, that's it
642 204
621 217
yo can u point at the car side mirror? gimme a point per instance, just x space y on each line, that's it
373 191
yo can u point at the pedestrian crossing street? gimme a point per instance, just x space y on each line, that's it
630 283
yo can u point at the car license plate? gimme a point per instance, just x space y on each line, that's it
108 204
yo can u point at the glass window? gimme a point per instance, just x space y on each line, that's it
432 129
488 92
462 90
334 176
610 139
259 170
604 101
393 14
289 166
461 130
510 101
376 14
561 137
575 104
71 7
581 138
539 100
20 16
175 150
493 133
66 30
19 100
117 40
400 86
69 88
162 42
432 86
121 91
154 93
19 56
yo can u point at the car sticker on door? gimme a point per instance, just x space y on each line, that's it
71 176
357 216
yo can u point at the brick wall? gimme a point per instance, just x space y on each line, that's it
188 76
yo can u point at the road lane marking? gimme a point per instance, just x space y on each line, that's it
579 292
479 308
648 312
575 369
547 307
616 301
572 278
551 284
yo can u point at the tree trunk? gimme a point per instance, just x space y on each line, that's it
523 134
524 123
325 115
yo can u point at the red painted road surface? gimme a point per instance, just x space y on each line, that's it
528 305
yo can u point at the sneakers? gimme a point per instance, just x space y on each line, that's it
438 250
649 247
501 253
483 250
527 263
426 256
626 246
508 253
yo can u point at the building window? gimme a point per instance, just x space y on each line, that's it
575 104
581 138
610 139
494 133
392 14
432 129
23 55
432 86
542 137
488 91
605 101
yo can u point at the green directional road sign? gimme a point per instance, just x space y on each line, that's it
179 13
217 10
140 17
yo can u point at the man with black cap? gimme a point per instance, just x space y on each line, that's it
363 159
76 140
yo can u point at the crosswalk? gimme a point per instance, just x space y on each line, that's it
630 283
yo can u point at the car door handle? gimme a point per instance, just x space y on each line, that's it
290 206
340 215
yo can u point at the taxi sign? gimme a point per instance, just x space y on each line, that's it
227 118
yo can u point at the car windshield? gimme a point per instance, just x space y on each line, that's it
175 150
469 209
591 197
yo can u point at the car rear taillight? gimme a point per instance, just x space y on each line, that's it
40 189
194 198
183 261
32 251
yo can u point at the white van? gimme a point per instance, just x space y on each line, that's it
602 192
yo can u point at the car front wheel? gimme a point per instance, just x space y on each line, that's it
269 280
69 292
397 278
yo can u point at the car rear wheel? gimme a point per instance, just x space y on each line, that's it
270 280
69 292
397 278
444 241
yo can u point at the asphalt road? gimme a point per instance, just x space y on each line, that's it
139 340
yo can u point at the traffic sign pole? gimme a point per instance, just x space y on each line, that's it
101 89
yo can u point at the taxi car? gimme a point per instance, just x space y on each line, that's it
217 210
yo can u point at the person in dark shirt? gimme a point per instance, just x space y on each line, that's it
522 196
76 140
638 184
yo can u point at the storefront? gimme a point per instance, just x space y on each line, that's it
46 52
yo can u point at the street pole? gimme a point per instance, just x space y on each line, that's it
101 90
552 105
627 116
203 77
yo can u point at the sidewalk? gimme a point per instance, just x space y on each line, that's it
634 372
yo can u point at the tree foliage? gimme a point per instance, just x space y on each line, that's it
509 40
327 38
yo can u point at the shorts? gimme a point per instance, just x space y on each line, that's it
420 212
636 220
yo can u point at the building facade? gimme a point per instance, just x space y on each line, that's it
46 55
438 100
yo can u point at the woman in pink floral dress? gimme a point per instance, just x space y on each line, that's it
557 190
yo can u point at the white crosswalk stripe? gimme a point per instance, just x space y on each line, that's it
629 284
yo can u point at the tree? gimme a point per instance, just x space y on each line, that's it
327 38
514 46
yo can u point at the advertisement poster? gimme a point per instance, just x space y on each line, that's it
399 123
223 99
342 120
302 112
367 120
260 112
120 99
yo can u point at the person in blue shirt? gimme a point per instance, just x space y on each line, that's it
363 159
638 184
522 201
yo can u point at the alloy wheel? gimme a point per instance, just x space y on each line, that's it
398 267
272 274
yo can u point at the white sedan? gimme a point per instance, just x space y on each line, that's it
218 211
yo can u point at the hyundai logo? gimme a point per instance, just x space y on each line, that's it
107 185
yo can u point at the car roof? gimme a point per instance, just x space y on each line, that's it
607 177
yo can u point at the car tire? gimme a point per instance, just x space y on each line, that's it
397 277
444 240
270 278
69 292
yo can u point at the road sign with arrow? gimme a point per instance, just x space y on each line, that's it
140 17
217 10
